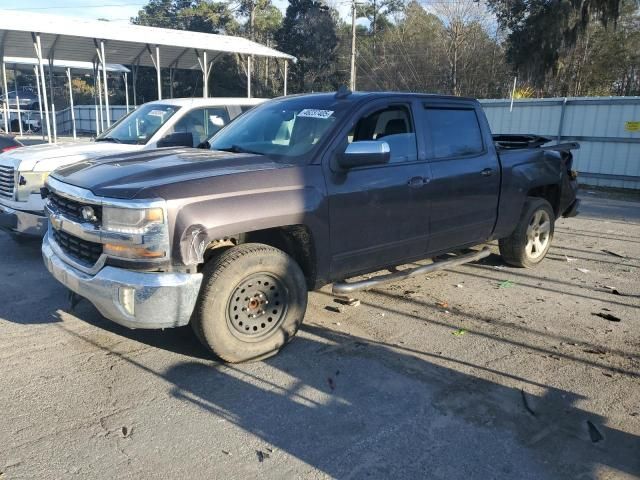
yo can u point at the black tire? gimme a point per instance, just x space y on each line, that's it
252 301
515 249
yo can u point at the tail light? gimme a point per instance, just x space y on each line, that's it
6 149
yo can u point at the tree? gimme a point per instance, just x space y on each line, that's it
541 29
308 32
200 16
378 12
462 26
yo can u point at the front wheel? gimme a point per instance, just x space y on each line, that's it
252 301
530 241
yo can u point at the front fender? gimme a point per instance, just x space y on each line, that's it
221 217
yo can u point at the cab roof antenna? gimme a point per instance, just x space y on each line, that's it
343 92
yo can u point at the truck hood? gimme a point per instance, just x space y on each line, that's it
138 174
46 158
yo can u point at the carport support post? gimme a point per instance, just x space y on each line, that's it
205 75
73 113
95 97
105 85
15 86
54 123
38 47
35 70
6 97
159 77
286 67
19 114
99 90
134 79
126 90
249 76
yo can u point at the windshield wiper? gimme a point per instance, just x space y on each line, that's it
108 139
238 149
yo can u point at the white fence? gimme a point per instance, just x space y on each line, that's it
86 118
607 128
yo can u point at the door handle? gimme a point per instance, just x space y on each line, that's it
417 182
487 172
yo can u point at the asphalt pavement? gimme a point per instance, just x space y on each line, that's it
483 371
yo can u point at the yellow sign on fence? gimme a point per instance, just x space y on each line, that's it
632 126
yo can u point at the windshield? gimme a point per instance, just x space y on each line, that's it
140 125
282 128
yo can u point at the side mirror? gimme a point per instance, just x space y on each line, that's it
204 145
369 152
178 139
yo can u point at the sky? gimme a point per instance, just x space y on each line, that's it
113 10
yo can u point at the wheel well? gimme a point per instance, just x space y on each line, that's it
295 240
551 193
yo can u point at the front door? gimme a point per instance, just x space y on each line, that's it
379 215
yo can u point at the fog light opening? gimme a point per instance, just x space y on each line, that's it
127 298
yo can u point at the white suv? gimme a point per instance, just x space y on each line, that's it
163 123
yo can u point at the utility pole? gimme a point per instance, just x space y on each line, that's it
375 28
352 83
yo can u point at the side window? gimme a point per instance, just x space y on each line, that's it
454 132
392 125
217 117
193 122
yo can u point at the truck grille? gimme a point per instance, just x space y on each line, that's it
7 181
82 250
71 208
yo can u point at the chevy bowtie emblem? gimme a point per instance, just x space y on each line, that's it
56 221
89 214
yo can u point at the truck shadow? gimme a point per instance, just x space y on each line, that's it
380 410
353 407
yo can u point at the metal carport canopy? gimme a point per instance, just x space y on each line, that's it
73 39
65 38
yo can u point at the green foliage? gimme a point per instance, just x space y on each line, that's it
540 29
554 46
308 32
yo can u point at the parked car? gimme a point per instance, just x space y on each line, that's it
28 97
163 123
297 193
8 142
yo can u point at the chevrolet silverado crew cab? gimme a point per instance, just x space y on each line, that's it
163 123
299 192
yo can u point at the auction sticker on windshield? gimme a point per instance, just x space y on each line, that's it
313 113
157 113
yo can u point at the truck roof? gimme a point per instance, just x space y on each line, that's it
213 101
358 95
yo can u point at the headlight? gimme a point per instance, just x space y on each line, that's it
29 183
147 225
130 220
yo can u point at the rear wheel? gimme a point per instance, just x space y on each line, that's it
530 242
252 301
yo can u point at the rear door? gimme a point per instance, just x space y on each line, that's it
465 175
379 214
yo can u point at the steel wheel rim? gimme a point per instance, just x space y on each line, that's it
257 306
538 234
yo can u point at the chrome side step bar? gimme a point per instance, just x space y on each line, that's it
342 289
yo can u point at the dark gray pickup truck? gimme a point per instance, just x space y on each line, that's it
297 193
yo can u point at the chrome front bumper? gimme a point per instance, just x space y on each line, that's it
132 299
24 223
